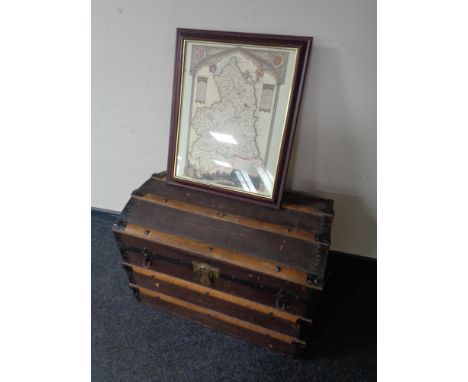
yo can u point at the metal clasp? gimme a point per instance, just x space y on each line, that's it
147 257
280 300
205 274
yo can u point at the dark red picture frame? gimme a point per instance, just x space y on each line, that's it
303 44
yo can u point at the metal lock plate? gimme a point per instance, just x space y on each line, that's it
205 274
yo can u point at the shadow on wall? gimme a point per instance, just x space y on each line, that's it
334 153
354 229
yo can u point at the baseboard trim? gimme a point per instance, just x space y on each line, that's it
352 256
105 211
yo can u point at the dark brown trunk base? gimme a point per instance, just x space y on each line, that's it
295 349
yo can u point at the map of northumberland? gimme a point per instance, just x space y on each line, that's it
226 132
234 95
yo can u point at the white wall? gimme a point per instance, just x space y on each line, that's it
133 45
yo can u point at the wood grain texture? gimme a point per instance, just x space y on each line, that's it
294 349
161 255
218 316
220 254
295 329
294 204
229 217
306 255
219 294
270 264
295 304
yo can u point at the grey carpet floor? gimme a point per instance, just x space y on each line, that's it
133 342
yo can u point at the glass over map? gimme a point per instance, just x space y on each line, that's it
233 106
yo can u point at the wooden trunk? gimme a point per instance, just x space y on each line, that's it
248 270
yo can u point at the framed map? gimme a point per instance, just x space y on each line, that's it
234 110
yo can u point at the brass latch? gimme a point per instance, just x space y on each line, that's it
205 274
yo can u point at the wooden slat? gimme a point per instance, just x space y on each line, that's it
211 252
297 303
289 206
218 315
305 255
228 217
286 218
218 294
228 328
